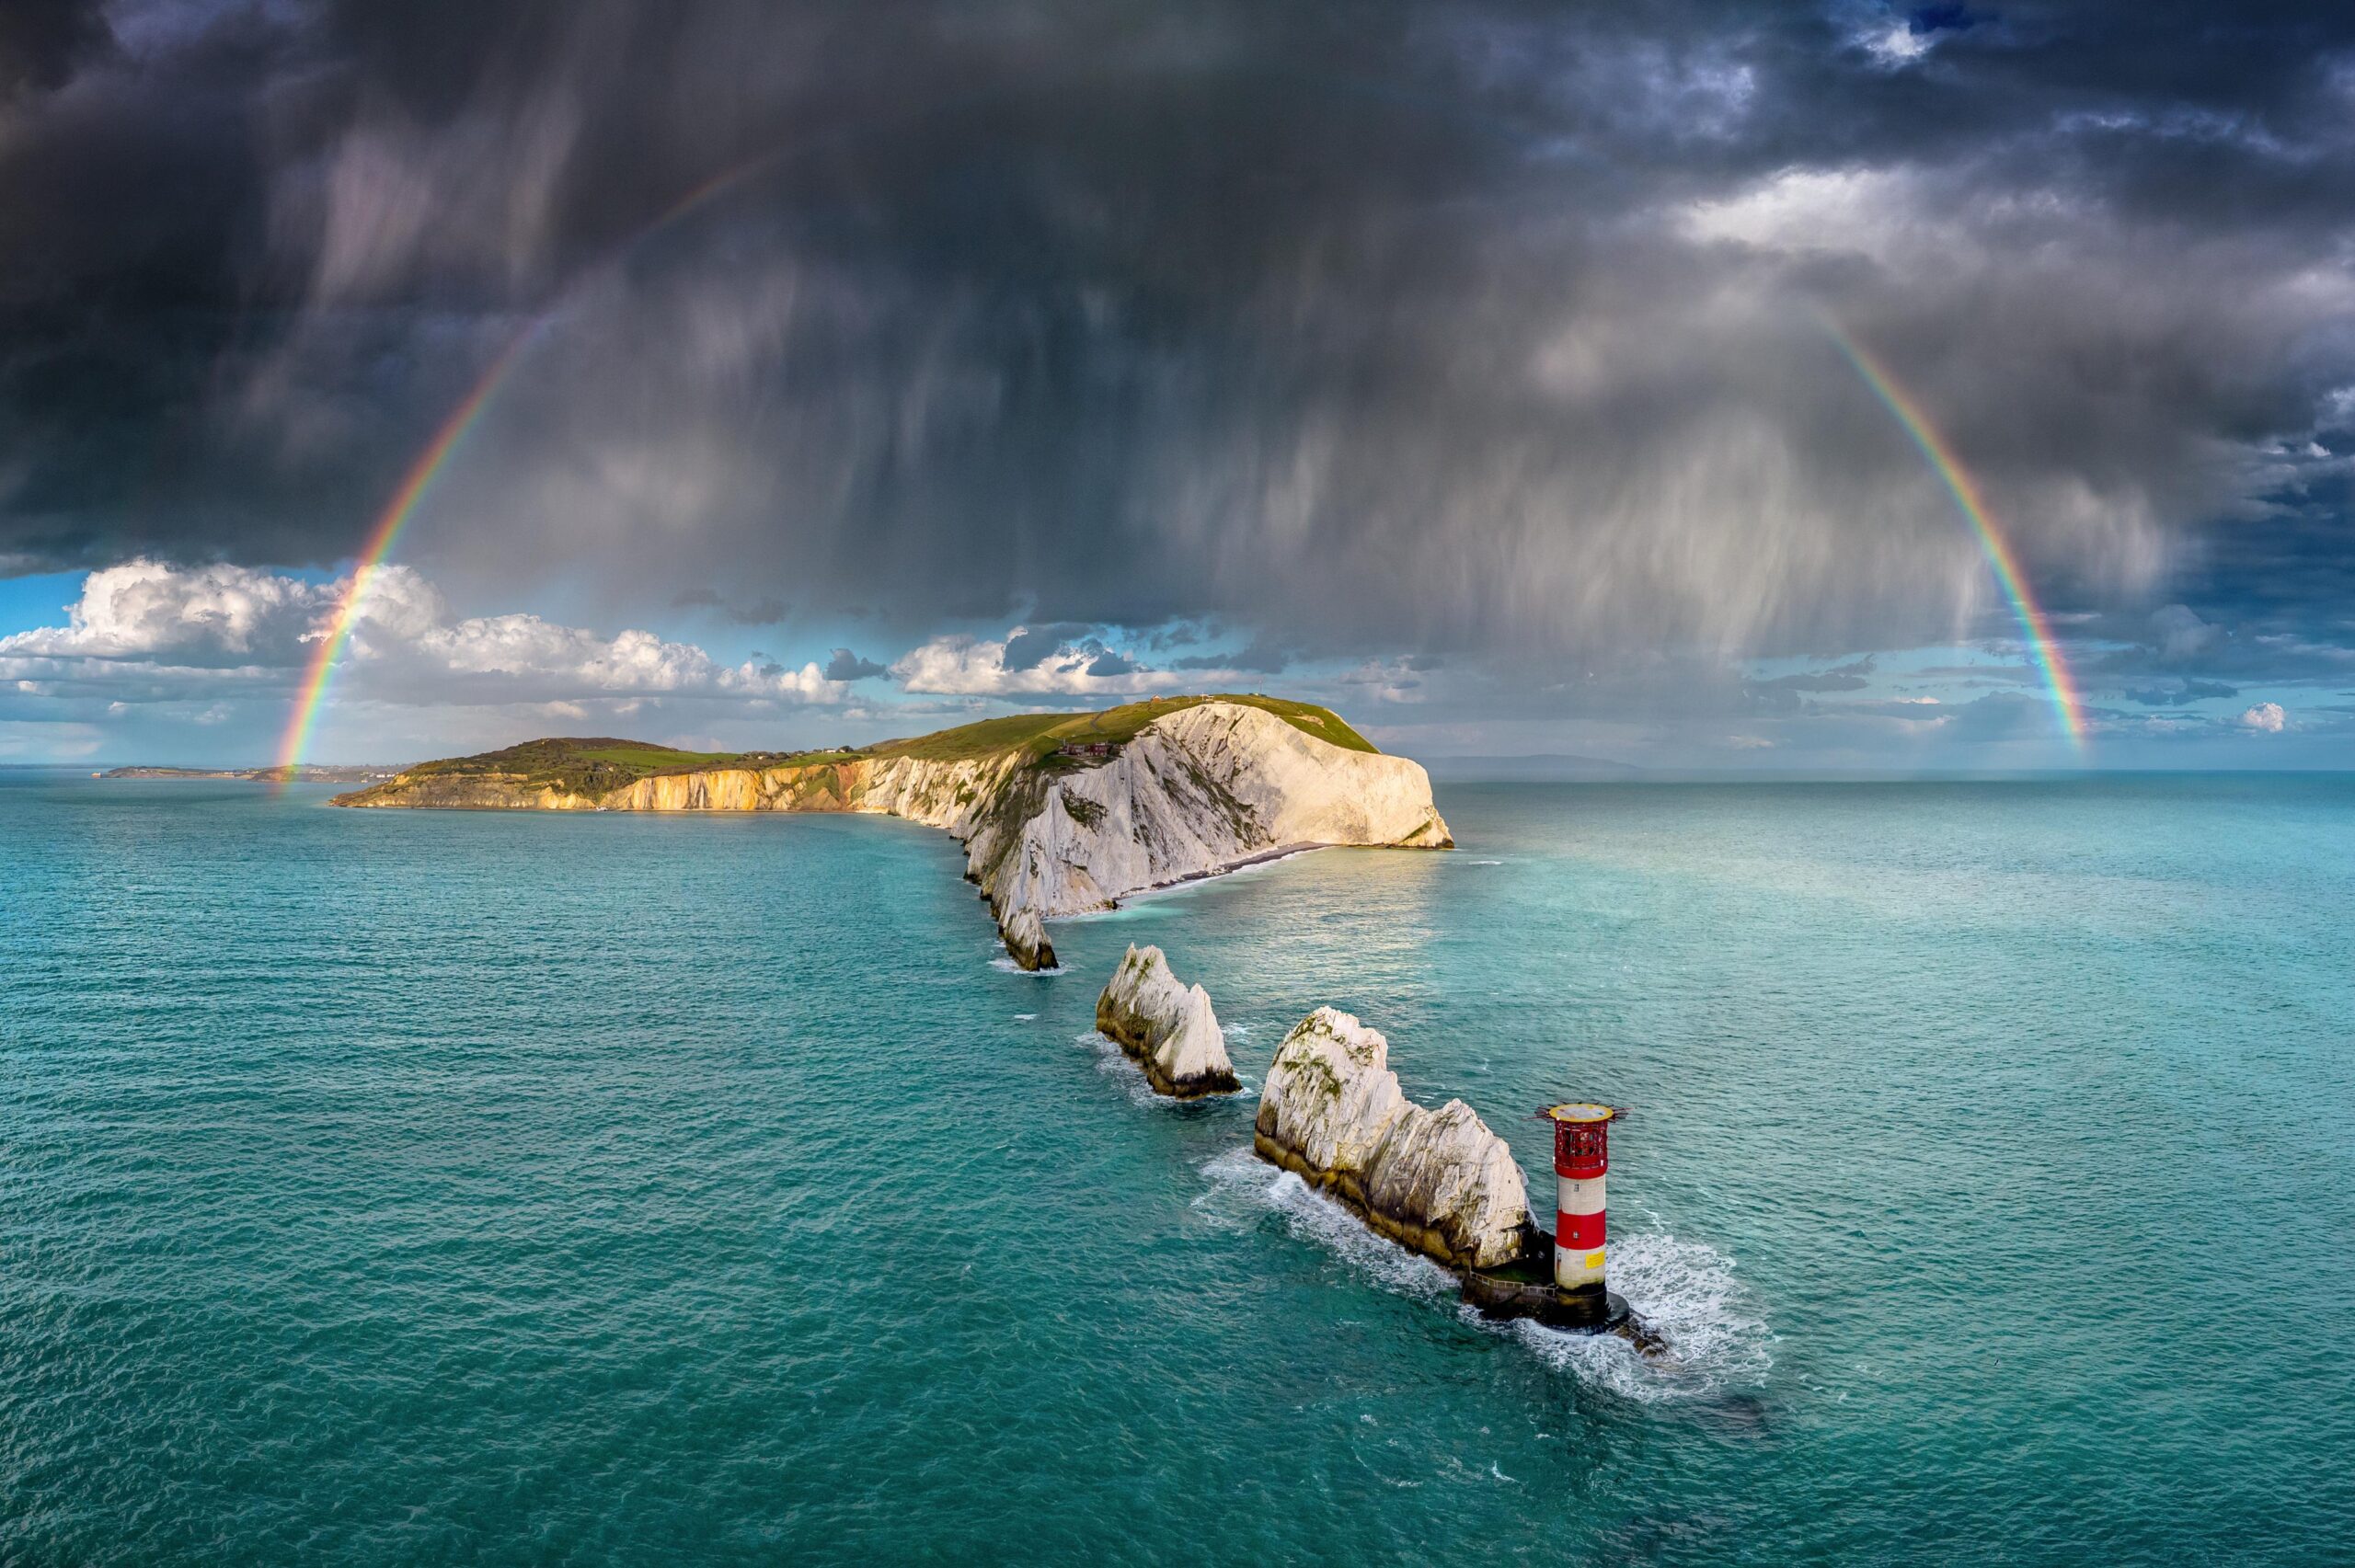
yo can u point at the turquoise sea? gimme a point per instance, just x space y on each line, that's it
389 1187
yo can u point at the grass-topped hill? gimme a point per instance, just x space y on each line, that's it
1042 735
592 765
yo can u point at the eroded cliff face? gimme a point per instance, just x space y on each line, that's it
1201 791
1194 793
1168 1026
1439 1181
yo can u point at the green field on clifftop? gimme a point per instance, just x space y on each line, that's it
1041 734
589 765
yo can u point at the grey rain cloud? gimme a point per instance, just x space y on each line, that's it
1393 329
2187 691
1850 677
1261 656
844 665
1033 645
761 613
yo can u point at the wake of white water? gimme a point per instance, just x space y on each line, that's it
1685 1290
1242 1188
1686 1293
1118 1066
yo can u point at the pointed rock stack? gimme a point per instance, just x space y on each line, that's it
1168 1027
1024 935
1439 1181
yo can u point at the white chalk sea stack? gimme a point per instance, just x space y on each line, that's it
1024 935
1168 1027
1439 1181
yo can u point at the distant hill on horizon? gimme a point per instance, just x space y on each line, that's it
299 773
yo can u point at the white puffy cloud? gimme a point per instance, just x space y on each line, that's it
149 631
964 665
2266 719
146 611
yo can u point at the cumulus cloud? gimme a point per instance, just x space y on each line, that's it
149 631
966 665
2265 718
211 615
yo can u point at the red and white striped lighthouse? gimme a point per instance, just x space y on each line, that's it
1581 1156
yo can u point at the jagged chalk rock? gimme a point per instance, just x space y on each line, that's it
1439 1181
1026 940
1168 1027
1192 793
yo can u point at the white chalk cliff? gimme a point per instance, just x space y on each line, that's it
1198 791
1166 1026
1439 1181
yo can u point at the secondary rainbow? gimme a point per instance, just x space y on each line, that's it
320 672
2043 648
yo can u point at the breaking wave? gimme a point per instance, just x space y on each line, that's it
1685 1290
1242 1188
1688 1293
1011 968
1118 1066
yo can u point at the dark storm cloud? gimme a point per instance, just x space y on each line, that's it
1033 645
844 665
1369 328
41 42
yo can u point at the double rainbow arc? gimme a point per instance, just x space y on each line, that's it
2044 648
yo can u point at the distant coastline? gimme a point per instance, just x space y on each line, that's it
303 773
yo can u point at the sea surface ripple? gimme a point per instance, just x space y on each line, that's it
468 1187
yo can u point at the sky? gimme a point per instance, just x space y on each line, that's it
1488 370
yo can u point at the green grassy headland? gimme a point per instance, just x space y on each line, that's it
594 765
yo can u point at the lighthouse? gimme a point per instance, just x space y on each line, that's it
1561 1287
1581 1157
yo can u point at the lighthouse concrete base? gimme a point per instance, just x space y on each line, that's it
1496 1294
1525 1288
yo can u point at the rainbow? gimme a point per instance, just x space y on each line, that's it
2043 648
311 695
320 672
